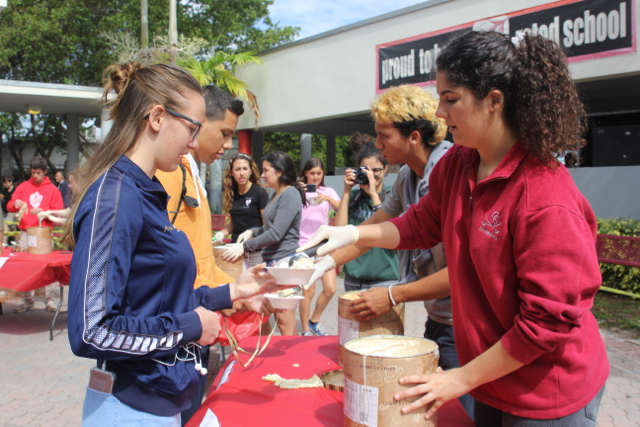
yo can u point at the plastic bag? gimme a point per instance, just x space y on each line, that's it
241 325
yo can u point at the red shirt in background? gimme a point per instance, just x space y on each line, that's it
45 196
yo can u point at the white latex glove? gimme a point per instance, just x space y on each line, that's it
44 214
325 264
245 235
338 237
234 252
218 236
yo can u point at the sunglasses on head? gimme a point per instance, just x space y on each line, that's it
239 156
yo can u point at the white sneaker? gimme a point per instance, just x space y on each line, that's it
51 306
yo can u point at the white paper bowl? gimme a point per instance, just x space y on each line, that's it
291 276
284 303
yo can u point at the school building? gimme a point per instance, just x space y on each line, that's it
325 84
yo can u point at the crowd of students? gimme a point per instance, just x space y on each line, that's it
489 231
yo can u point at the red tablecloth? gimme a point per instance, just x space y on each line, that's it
246 400
26 272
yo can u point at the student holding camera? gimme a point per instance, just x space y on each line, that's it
378 267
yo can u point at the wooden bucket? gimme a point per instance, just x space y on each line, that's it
233 269
39 240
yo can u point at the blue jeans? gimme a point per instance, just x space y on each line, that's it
488 416
442 334
105 410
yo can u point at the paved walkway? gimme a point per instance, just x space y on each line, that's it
43 383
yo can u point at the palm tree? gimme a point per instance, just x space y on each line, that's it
220 69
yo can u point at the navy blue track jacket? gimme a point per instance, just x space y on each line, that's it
131 296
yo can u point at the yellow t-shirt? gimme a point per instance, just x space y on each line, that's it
196 223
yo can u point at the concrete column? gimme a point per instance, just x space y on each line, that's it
73 141
305 148
257 146
331 154
215 187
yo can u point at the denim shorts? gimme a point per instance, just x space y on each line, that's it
105 410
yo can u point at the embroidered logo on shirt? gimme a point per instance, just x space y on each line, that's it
247 202
490 226
35 199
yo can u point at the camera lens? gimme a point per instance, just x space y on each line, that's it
361 176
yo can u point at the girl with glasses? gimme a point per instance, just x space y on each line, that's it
132 305
244 198
378 267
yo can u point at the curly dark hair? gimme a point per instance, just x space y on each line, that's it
364 146
229 184
357 140
541 102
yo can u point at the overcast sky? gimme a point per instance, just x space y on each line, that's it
317 16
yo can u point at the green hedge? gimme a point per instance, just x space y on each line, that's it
619 276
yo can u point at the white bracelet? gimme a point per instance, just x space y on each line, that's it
391 297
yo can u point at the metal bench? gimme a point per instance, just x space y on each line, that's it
622 250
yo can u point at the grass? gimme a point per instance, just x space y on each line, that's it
618 313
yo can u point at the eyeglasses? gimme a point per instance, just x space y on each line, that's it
182 116
376 171
241 156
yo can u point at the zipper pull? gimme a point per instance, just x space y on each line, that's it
470 205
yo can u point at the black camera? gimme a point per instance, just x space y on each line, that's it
361 176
